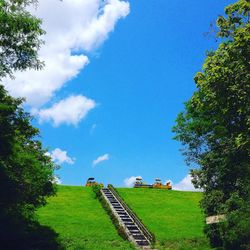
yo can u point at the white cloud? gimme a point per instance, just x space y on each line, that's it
73 27
168 180
129 182
56 180
100 159
70 111
185 184
59 156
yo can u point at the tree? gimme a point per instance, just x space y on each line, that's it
214 128
26 172
20 37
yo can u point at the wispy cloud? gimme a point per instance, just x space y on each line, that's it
92 129
129 182
100 159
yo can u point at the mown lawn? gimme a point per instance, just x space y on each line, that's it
173 216
80 220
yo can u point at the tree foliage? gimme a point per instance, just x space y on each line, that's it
214 128
26 173
26 170
20 37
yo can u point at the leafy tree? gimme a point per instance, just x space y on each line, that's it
20 37
26 172
214 128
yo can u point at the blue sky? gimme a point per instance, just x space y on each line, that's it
130 72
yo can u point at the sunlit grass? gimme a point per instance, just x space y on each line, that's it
173 216
78 217
80 220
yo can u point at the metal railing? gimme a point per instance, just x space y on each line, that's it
145 231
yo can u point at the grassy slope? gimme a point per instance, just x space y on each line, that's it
80 220
173 216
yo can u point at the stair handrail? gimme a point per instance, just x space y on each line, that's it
145 231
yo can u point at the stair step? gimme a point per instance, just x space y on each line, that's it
129 223
142 242
137 234
125 217
134 231
139 237
132 228
126 220
122 213
132 224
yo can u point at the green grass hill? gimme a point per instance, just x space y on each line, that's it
78 217
81 222
174 217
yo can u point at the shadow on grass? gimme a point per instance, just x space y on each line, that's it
29 237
